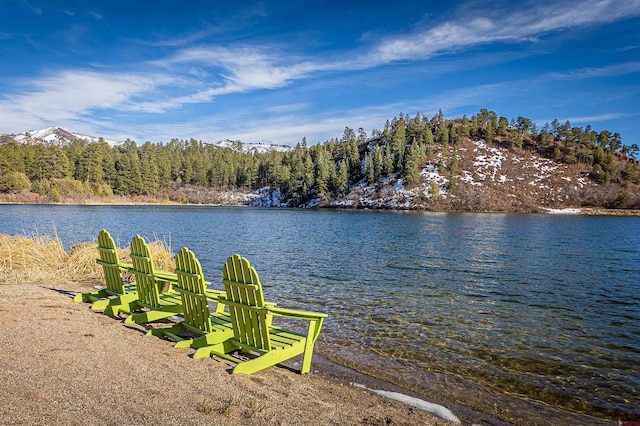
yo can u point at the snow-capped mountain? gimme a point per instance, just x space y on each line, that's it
55 136
61 137
258 148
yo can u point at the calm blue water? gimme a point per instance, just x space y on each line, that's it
495 310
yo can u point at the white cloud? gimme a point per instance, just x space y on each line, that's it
215 70
96 15
70 95
510 27
614 70
36 10
241 69
197 75
601 117
299 106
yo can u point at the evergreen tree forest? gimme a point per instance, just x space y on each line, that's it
321 171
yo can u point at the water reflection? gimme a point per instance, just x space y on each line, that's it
482 308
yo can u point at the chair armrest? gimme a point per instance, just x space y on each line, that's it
166 276
120 265
294 313
315 320
216 295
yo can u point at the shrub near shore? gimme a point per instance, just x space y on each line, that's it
35 259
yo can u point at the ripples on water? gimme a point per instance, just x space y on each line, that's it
545 307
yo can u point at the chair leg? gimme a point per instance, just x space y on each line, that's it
266 360
148 316
162 331
219 349
102 304
114 309
211 339
312 335
90 297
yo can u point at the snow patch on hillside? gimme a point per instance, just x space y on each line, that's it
526 176
264 197
490 163
563 211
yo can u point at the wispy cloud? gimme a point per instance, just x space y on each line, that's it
69 95
202 73
299 106
522 25
240 18
243 68
628 48
602 117
94 14
614 70
246 68
34 9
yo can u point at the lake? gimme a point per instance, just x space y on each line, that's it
530 317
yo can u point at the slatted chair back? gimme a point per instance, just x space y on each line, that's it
249 317
148 292
192 288
110 263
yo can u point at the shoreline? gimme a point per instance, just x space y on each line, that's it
382 373
70 365
568 211
510 409
22 304
65 364
344 375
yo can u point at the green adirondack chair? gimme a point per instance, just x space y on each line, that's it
252 325
213 327
151 304
117 291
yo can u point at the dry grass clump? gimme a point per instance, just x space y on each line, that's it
39 259
81 262
32 254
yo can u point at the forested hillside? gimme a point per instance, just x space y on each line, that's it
439 161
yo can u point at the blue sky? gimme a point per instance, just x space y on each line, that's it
278 71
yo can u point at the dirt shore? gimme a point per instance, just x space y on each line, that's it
64 364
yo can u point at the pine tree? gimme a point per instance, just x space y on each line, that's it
503 125
398 143
429 143
453 179
443 134
322 173
435 191
465 131
490 133
387 164
342 178
353 159
474 127
377 164
149 176
411 173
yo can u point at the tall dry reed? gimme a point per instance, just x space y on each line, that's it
42 259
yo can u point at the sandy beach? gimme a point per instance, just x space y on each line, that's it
64 364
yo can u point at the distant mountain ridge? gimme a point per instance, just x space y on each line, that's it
260 148
55 136
62 137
